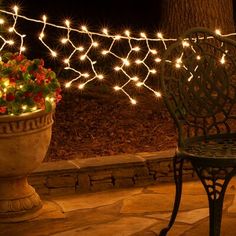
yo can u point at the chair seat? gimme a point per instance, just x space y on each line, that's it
218 147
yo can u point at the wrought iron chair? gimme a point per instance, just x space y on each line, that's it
198 79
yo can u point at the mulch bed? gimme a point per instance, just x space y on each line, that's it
102 123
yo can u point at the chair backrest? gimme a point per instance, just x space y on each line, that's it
198 80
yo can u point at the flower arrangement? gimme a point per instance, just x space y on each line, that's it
26 85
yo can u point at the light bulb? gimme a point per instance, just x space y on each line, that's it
133 101
81 86
67 23
117 88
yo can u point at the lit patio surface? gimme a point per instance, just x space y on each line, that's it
142 211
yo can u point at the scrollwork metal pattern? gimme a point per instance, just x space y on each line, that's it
200 89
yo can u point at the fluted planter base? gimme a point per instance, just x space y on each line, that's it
24 141
18 200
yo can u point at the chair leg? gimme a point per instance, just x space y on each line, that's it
215 181
178 168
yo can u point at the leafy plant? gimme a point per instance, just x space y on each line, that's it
26 85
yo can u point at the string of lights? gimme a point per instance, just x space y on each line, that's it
141 52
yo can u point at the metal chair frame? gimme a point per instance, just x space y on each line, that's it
198 80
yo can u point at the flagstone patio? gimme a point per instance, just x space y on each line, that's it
138 211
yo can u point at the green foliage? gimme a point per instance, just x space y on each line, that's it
26 85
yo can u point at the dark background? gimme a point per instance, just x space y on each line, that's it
118 15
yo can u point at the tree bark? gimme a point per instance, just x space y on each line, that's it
179 15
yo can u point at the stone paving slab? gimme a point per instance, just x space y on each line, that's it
116 228
142 211
93 200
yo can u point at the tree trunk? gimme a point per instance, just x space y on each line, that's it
179 15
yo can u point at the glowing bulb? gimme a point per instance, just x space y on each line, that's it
95 44
198 57
100 76
41 35
153 71
1 21
117 68
127 33
68 84
22 49
153 51
190 77
64 40
139 84
34 108
158 59
81 86
67 23
10 42
135 78
80 48
178 62
185 44
177 65
105 31
217 31
16 8
138 61
143 35
66 61
158 94
24 107
86 75
82 57
44 18
160 35
117 37
21 86
117 88
222 60
105 52
136 49
133 101
6 83
53 53
84 28
126 61
11 29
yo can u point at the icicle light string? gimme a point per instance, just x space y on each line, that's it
124 62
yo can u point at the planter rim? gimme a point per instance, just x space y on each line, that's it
27 115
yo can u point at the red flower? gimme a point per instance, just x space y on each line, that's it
28 94
23 68
39 78
3 109
58 98
12 80
18 84
41 62
10 97
38 97
19 57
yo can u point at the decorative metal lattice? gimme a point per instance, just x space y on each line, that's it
201 94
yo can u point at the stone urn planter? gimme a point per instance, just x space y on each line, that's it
24 141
